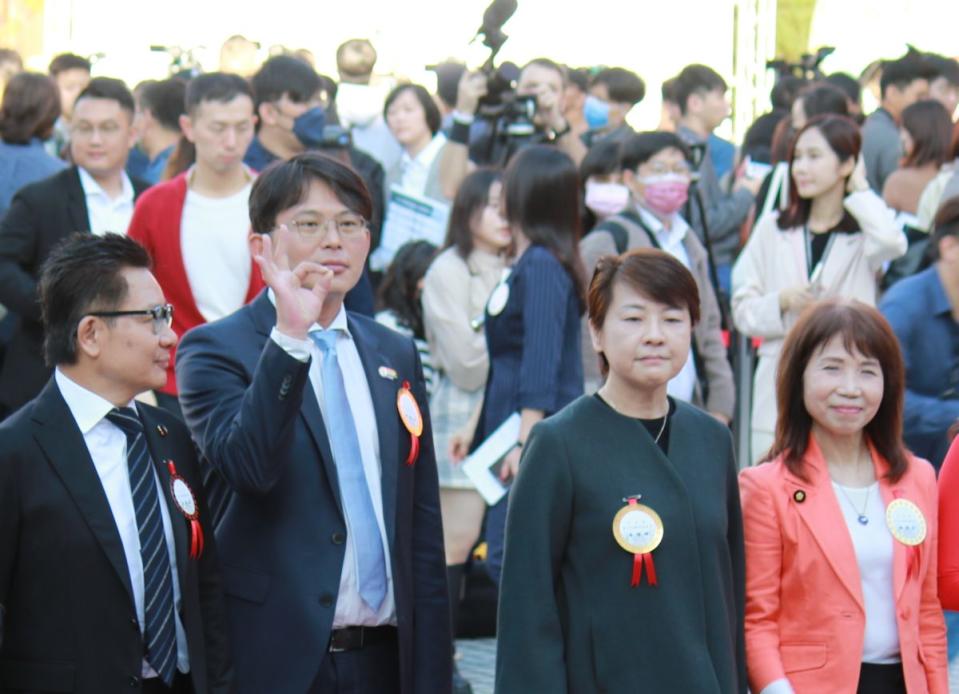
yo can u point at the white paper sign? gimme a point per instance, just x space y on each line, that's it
409 217
478 465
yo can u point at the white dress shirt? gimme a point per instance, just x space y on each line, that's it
683 384
350 608
108 448
104 213
417 169
213 240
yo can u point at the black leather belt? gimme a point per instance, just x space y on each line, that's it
352 638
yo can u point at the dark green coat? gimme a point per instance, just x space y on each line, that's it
568 619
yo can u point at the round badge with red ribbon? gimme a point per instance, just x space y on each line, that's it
412 419
185 501
638 529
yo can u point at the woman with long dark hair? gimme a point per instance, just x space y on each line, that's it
533 317
830 241
841 522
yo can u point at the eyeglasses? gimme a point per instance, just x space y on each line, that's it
347 227
86 130
162 316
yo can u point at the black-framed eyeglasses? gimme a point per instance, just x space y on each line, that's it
348 226
162 316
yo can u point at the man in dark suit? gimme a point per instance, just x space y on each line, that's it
95 195
314 421
108 573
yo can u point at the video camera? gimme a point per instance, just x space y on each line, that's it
807 67
510 115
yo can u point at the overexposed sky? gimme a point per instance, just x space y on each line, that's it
656 39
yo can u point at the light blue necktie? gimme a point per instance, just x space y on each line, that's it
357 502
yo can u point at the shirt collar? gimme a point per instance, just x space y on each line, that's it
427 154
87 408
339 322
937 293
675 234
92 188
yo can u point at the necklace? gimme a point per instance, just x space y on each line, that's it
861 515
662 427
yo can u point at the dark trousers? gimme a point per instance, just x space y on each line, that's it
181 685
373 669
496 538
881 679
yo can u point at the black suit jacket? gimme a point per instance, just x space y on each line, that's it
70 623
281 531
40 216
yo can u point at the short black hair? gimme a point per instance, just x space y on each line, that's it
549 65
283 184
602 159
81 274
578 77
668 90
221 87
947 68
785 90
433 118
448 75
695 79
848 84
165 100
904 71
642 147
8 55
283 74
821 97
624 86
946 222
108 88
68 61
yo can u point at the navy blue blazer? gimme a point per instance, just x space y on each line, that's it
533 344
280 526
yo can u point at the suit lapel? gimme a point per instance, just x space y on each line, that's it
77 202
60 438
161 451
264 318
383 393
820 512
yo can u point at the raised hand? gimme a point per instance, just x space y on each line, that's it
299 291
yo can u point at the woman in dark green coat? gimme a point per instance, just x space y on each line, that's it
624 545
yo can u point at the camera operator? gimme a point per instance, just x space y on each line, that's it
541 78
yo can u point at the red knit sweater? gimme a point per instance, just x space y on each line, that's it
156 225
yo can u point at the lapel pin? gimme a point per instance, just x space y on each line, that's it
387 372
799 496
161 430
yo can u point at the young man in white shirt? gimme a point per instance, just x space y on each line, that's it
95 195
196 224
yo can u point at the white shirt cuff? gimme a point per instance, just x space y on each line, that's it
298 349
780 686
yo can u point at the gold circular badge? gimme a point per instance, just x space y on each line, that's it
906 522
409 412
638 529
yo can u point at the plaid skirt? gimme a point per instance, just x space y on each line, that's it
450 410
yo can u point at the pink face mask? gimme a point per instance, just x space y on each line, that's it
665 194
606 199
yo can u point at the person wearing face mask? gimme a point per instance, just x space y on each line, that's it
655 171
831 240
613 92
290 99
601 178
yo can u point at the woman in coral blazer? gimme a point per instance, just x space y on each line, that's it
840 524
949 529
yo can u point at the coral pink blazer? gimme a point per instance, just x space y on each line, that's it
805 619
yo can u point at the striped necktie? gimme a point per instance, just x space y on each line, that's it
357 502
159 625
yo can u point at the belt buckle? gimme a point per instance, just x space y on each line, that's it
347 630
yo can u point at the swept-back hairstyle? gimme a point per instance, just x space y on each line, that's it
471 197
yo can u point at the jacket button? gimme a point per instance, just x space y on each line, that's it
134 681
135 623
326 600
338 538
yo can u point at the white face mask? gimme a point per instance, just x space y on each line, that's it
359 104
606 199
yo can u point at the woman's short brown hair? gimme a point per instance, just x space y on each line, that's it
650 271
31 105
862 328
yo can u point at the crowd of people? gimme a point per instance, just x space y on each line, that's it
253 322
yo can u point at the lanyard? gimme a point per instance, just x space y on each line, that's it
814 273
